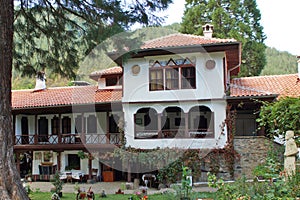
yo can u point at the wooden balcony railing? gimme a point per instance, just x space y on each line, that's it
90 138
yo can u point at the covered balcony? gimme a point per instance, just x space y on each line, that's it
174 123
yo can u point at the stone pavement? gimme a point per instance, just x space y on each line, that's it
108 187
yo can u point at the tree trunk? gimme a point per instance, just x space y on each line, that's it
10 184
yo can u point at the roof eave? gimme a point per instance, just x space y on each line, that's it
252 97
117 56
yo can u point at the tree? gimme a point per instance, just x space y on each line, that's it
9 180
280 116
52 21
239 19
45 30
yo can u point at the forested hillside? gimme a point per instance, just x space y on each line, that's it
279 62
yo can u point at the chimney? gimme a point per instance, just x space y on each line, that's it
40 83
208 30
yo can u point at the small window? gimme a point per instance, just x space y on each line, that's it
43 129
112 81
66 125
113 124
78 124
73 161
92 124
55 125
24 125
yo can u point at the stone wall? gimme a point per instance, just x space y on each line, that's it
253 151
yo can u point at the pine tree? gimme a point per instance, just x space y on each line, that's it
57 35
239 19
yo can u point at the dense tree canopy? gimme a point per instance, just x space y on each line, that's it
280 116
279 62
239 19
57 34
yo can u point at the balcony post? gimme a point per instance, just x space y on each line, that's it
107 135
58 161
35 130
159 125
186 125
83 129
59 130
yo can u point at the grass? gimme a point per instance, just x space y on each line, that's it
72 196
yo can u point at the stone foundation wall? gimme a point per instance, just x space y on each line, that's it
253 150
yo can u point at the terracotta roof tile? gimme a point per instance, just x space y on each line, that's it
282 85
109 71
177 40
63 96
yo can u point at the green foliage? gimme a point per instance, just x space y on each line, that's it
166 196
231 19
242 189
57 183
82 155
280 116
171 173
57 35
186 186
279 62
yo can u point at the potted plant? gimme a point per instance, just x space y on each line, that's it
58 184
47 156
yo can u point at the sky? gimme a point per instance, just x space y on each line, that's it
279 19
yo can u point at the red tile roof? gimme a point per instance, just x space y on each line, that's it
63 96
282 85
178 40
109 71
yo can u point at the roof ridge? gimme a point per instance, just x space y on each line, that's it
189 35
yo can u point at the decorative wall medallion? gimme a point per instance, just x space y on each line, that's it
135 69
210 64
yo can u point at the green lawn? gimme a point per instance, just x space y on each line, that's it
69 196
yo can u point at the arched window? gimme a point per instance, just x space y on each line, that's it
145 121
201 122
173 122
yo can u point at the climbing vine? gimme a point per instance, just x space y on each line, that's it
227 153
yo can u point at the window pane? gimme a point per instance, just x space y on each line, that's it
66 125
111 81
156 79
172 81
188 79
92 124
